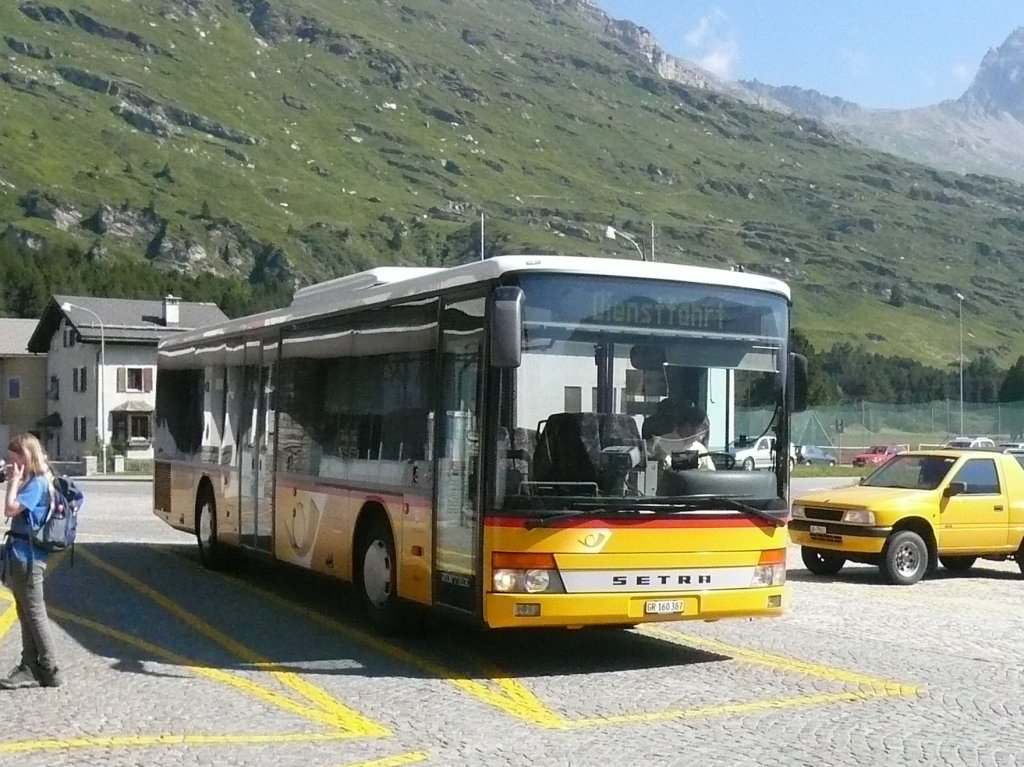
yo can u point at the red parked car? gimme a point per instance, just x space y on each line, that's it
875 456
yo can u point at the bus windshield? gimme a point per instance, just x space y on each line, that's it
633 393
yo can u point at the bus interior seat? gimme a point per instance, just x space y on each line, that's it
515 457
569 446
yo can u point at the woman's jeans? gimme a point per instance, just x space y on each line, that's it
25 579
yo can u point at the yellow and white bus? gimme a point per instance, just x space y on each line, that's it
487 439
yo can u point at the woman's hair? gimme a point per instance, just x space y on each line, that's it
692 423
27 446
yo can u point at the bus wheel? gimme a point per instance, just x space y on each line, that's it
211 553
821 562
959 564
905 558
377 576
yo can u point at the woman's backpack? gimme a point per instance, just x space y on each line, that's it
57 533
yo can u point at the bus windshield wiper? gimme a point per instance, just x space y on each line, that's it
658 508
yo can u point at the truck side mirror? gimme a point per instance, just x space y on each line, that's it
506 327
955 488
796 383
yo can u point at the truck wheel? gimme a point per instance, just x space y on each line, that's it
958 564
904 558
748 464
1020 558
821 562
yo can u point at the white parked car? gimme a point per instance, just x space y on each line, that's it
968 442
758 453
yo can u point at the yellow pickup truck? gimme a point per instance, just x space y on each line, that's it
917 510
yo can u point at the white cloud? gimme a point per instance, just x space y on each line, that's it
712 44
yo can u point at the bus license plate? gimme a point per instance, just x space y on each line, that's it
818 529
663 606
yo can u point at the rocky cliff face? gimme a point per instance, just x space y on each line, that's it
998 87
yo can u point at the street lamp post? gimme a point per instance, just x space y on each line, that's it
960 317
101 420
610 233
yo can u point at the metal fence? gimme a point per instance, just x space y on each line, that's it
847 429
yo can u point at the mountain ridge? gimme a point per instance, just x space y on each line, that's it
303 140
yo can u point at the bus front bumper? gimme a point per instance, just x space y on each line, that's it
571 610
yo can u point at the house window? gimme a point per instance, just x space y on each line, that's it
53 392
79 428
138 427
74 379
83 379
14 387
135 379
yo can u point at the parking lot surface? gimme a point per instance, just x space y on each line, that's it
170 664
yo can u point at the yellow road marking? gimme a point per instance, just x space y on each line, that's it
127 741
394 761
516 699
7 619
339 714
512 697
245 685
723 709
880 686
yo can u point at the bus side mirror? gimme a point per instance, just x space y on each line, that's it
796 385
506 327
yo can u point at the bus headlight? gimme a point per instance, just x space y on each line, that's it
507 580
768 575
859 516
525 574
535 581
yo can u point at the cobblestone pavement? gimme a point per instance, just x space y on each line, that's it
168 664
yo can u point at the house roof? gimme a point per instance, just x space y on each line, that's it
15 335
121 320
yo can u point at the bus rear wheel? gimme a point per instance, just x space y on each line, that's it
211 553
377 576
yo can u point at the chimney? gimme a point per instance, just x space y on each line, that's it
171 310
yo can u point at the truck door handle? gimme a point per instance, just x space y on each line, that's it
997 507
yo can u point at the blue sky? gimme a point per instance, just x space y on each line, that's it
898 53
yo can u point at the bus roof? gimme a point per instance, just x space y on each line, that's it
390 283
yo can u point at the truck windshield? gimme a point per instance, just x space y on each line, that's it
615 372
915 472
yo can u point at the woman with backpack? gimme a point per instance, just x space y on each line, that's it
27 503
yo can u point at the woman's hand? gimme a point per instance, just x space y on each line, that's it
16 473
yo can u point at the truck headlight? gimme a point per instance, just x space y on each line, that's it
798 511
859 516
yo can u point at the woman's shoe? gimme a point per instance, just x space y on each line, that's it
19 678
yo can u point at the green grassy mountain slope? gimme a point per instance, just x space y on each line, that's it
311 138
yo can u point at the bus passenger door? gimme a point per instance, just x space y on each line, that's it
457 532
255 511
